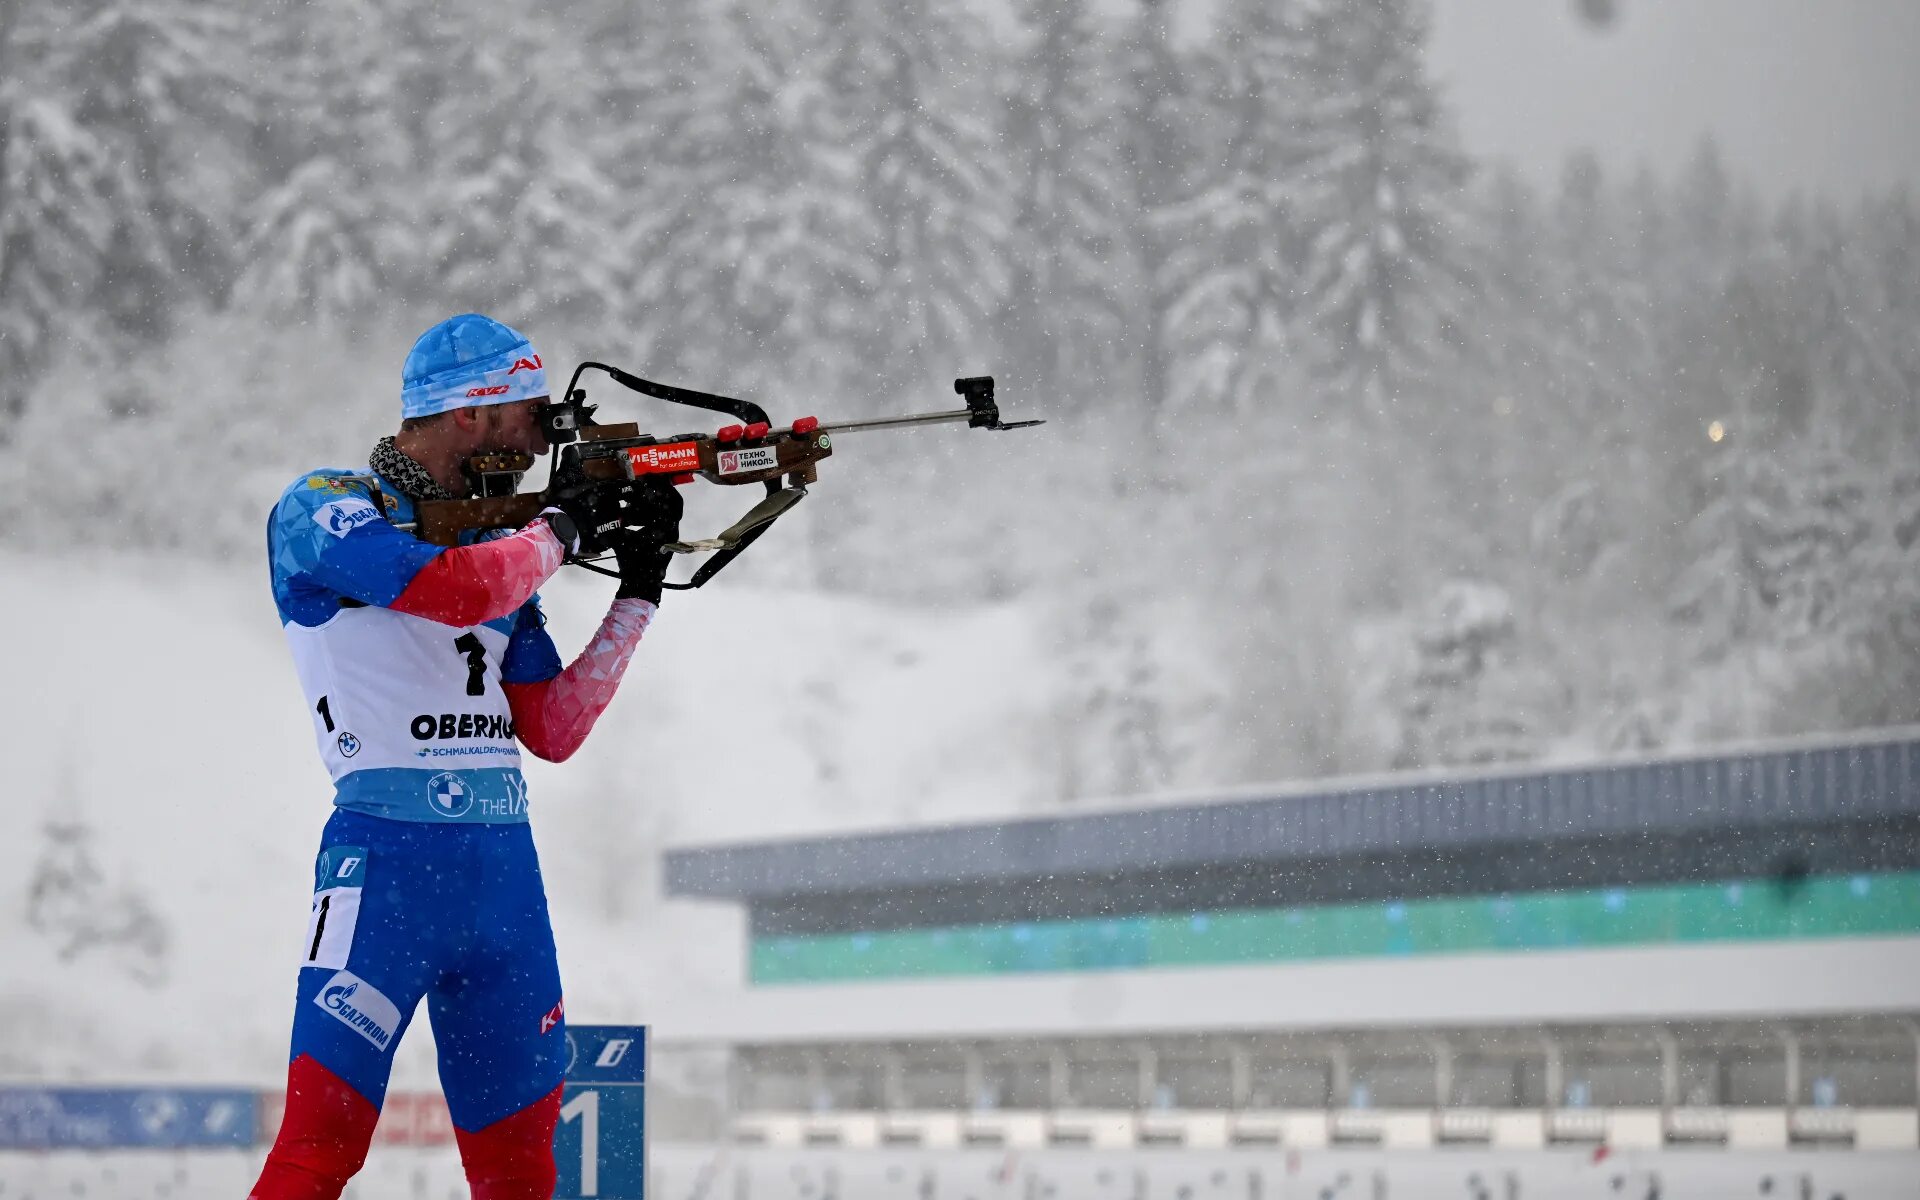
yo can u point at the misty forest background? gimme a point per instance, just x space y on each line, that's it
1361 454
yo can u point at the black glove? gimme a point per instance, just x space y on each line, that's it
594 509
651 519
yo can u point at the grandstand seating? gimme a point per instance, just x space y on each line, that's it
1716 949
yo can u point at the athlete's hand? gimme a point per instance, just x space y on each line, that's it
595 513
652 519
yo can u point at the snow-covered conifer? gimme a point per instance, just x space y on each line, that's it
911 85
1593 295
118 164
1232 240
57 214
1163 140
1383 282
521 215
1064 323
1778 543
329 235
1467 697
162 84
749 236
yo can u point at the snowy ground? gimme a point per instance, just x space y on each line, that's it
157 708
688 1173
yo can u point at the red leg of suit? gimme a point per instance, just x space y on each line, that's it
323 1137
512 1159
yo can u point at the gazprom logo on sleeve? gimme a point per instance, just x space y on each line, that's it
361 1007
344 516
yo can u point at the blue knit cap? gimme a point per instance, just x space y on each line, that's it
469 360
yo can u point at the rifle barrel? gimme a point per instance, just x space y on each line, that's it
958 414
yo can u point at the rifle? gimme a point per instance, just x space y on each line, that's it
619 458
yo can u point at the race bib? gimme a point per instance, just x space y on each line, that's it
337 878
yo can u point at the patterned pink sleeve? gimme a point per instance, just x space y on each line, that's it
471 585
554 716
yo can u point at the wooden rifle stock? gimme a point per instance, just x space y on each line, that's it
443 521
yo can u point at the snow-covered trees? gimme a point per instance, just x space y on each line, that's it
328 236
1383 282
1234 251
1324 218
160 84
120 170
1454 708
1143 217
520 211
912 86
747 232
1065 318
56 220
71 903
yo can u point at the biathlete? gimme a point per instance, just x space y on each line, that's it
426 669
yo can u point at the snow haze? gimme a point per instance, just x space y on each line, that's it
1812 98
1425 389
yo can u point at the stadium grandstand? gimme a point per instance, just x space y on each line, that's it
1706 949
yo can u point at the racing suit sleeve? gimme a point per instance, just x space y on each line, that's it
552 716
471 585
340 541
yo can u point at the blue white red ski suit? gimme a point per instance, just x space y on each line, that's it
425 669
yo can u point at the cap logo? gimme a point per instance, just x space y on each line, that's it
525 364
492 391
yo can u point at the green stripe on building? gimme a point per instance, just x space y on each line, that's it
1825 906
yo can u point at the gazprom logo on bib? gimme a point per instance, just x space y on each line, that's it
449 795
361 1007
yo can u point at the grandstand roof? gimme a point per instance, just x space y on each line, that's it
1863 783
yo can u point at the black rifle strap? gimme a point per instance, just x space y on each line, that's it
746 410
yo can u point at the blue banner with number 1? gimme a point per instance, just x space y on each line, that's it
601 1144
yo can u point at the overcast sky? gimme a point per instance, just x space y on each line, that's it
1819 95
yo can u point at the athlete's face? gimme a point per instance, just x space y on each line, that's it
509 427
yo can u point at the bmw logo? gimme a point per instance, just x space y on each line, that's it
448 796
349 745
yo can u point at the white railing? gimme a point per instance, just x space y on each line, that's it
1379 1129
